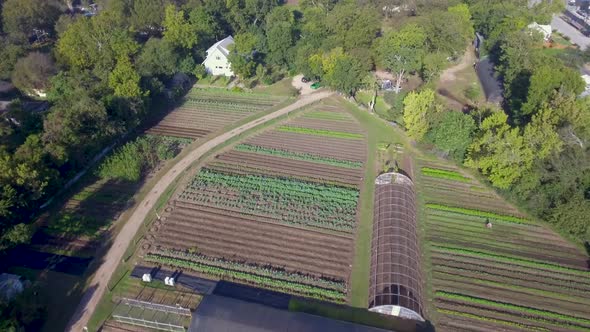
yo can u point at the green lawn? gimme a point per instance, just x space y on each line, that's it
280 88
364 97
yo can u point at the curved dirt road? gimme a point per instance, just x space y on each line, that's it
96 289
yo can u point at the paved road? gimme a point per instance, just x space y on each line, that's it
93 294
567 30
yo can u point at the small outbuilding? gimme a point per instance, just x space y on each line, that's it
545 30
217 62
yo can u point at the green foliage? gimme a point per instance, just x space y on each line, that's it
489 319
9 53
32 73
133 159
334 206
157 57
320 132
299 156
452 133
404 50
272 283
18 234
418 108
20 17
444 174
178 30
432 65
266 270
124 80
77 46
572 216
477 213
147 15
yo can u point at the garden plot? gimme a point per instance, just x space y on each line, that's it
516 275
277 211
207 111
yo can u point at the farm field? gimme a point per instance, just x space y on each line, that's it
206 111
277 210
517 275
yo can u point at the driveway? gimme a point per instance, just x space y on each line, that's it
568 30
97 287
492 86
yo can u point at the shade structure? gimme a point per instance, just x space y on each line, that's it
396 278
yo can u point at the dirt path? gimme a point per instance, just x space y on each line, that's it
96 289
467 60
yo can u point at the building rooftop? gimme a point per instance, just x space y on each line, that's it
222 45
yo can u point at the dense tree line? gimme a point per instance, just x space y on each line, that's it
535 148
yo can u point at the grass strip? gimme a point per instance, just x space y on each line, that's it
510 306
268 282
478 213
509 259
490 320
444 174
320 132
298 156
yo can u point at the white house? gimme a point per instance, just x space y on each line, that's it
545 30
216 62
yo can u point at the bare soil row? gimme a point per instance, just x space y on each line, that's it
354 150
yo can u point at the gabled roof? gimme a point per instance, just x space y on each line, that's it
222 45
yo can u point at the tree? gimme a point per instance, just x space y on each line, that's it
21 17
346 75
500 152
280 35
74 128
418 107
124 80
351 26
157 58
96 44
572 216
9 53
147 15
178 30
32 73
18 234
449 32
452 133
242 54
545 81
403 51
432 66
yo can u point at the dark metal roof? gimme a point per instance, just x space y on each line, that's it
223 314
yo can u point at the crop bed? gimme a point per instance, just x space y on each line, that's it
207 111
517 275
277 211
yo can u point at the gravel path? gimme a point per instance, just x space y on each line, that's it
95 291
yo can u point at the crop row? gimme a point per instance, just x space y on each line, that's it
294 202
444 174
510 306
320 132
478 213
509 259
278 186
504 285
307 290
299 156
215 105
490 320
326 116
267 271
215 92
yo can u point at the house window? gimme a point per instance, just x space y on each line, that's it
217 58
